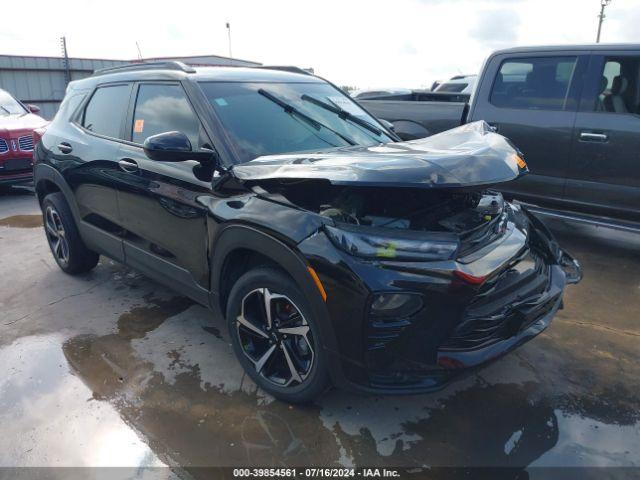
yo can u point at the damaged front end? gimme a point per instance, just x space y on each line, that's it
427 269
424 200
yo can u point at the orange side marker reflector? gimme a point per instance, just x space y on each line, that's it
316 279
521 163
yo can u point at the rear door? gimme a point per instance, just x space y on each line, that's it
531 98
165 225
86 153
604 174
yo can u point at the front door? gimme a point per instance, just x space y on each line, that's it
605 168
165 225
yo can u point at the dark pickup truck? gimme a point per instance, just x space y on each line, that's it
574 112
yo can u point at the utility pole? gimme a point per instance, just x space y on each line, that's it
603 3
229 35
65 61
139 52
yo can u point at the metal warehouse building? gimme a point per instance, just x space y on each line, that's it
43 80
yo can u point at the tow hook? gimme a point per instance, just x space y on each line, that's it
571 267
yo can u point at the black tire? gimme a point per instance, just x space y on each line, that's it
316 378
71 254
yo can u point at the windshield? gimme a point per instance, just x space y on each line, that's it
271 118
9 105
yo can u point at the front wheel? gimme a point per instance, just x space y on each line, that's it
275 336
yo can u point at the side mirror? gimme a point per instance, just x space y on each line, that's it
388 125
173 147
33 108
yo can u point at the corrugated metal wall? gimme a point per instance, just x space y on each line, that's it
41 80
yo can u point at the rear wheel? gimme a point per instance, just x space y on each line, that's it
68 249
276 337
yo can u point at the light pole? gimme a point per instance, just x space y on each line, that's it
229 34
603 3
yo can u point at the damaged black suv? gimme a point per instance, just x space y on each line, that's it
336 253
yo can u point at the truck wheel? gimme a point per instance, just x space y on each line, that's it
275 336
68 249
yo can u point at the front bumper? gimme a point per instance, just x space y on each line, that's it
7 179
16 168
461 327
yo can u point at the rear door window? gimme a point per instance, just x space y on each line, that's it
538 83
106 110
163 108
618 85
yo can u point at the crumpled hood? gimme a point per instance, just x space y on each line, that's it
469 155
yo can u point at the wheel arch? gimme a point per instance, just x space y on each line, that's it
253 248
46 180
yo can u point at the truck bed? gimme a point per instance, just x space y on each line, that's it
417 119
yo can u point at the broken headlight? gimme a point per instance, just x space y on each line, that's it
392 244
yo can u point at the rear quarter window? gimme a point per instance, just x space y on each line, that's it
106 110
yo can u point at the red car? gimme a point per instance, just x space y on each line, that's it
17 125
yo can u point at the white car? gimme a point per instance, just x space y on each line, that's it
458 84
379 92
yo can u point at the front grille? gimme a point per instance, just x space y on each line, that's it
26 143
510 305
4 148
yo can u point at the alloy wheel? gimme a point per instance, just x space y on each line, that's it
275 337
56 235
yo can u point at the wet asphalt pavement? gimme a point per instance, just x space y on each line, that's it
112 369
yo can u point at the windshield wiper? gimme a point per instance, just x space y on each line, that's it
342 113
291 110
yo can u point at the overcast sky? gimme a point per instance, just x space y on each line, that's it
394 43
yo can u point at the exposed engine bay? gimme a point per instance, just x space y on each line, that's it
447 210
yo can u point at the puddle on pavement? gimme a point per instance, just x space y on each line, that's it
22 221
49 417
182 390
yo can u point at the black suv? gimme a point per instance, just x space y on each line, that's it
359 260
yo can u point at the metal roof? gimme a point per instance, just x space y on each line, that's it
42 80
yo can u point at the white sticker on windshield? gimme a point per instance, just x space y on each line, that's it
222 102
347 105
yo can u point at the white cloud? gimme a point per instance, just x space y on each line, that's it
372 43
497 28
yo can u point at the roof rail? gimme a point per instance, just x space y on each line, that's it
285 68
171 65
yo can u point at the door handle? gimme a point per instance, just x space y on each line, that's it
128 165
64 147
593 137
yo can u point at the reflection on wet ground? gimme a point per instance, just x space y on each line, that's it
119 371
50 417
